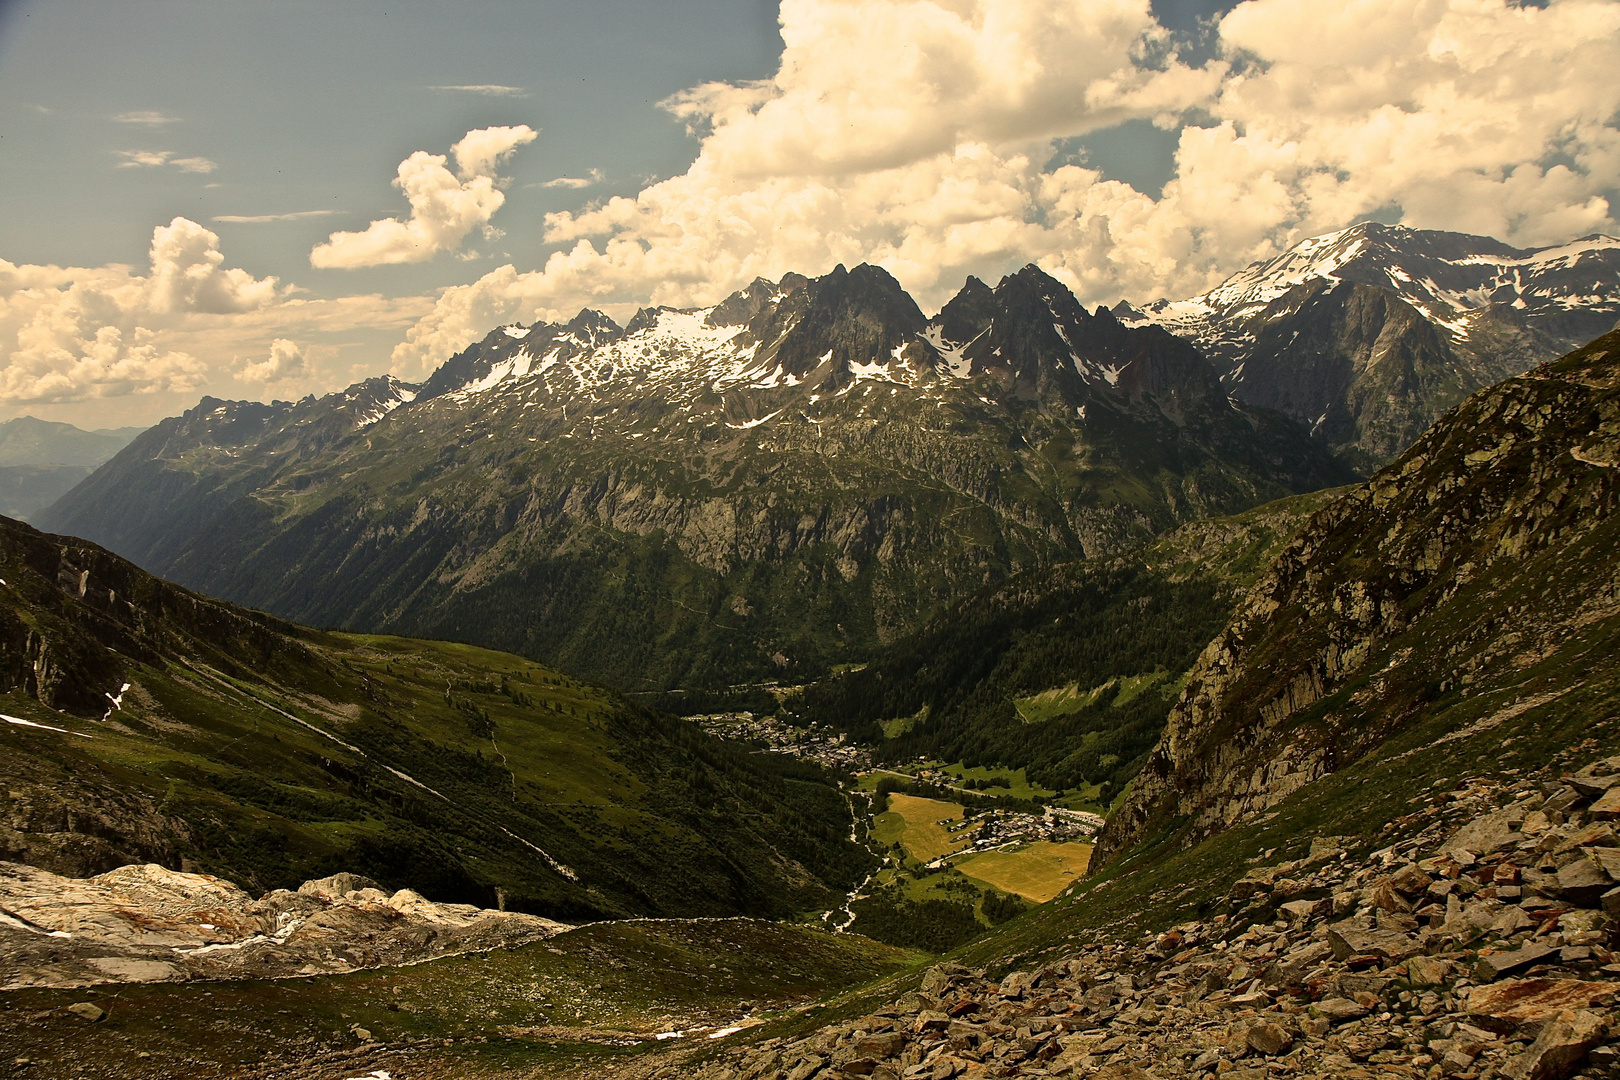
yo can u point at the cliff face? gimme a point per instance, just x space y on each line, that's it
1483 556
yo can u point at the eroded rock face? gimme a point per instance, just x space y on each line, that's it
1396 975
1401 583
145 923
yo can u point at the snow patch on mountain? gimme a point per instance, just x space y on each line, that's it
1449 277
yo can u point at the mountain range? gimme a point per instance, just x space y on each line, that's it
758 490
1368 335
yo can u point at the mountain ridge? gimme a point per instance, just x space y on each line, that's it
648 507
1369 334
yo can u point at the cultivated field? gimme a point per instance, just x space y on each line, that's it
918 825
1036 872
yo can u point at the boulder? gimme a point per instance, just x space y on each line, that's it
87 1011
1428 970
337 886
1269 1039
1493 966
1016 984
1488 833
1410 880
1607 808
1515 1004
1347 941
1559 1049
1338 1009
879 1047
1583 882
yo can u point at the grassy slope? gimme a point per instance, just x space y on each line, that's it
587 999
437 766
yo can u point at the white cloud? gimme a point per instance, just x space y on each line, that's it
914 134
287 362
574 182
146 117
262 219
139 159
148 159
485 90
69 333
445 207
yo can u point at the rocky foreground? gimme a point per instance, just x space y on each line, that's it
150 924
1472 952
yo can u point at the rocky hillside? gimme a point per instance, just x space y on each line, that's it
1478 567
1480 950
1370 334
144 924
759 490
142 723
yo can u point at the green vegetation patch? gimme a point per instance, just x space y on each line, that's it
594 993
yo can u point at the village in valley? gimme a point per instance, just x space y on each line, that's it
941 827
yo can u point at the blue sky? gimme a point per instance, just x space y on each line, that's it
1133 150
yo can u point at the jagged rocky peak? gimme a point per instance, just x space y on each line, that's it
1034 338
968 314
860 316
591 327
1369 334
370 400
745 305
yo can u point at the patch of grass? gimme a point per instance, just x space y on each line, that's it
1017 784
1037 871
918 825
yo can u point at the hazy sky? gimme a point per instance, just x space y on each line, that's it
267 199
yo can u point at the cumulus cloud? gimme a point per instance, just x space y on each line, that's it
916 134
70 333
446 207
287 362
150 159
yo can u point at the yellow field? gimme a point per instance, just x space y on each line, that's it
916 824
1037 872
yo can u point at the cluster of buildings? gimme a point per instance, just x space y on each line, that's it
823 747
997 828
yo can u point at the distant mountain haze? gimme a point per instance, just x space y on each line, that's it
40 460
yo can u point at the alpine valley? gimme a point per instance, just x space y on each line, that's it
805 688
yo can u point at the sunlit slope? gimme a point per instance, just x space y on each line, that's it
269 754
